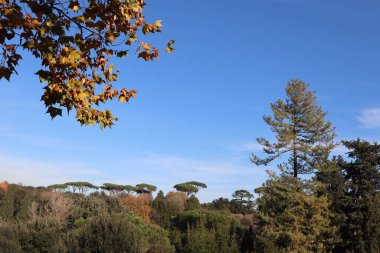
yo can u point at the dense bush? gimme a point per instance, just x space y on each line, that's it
43 235
205 231
9 238
119 233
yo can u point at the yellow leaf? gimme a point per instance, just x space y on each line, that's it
82 96
75 7
158 23
121 99
133 93
146 47
80 19
65 50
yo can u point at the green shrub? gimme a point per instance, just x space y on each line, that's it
204 231
119 233
9 238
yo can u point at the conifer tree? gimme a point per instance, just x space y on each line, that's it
242 202
301 132
189 188
294 219
353 187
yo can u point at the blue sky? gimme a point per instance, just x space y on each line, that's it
199 110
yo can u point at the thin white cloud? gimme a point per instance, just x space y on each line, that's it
251 146
182 166
30 172
37 140
370 118
222 177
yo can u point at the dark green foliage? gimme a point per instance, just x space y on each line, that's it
197 184
333 179
86 206
43 235
120 233
267 245
22 201
202 240
145 188
113 189
301 132
247 240
192 203
242 202
156 239
353 186
130 188
93 206
80 187
159 206
186 188
158 199
294 219
7 203
9 238
113 205
14 202
164 211
219 204
189 188
205 231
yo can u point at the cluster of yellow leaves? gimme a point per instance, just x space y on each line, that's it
75 41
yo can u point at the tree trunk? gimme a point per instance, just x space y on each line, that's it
295 165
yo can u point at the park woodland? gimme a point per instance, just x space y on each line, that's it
122 128
312 201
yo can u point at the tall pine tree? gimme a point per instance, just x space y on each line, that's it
301 132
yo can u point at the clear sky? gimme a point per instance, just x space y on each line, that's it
199 110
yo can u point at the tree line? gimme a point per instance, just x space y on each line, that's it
312 201
191 187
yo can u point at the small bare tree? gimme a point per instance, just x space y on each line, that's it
54 205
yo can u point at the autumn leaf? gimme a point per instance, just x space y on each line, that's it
158 23
146 47
169 48
74 5
75 50
53 111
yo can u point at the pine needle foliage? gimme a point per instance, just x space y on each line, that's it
301 132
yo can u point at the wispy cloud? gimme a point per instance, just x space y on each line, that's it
251 146
38 140
222 177
370 118
182 167
30 172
